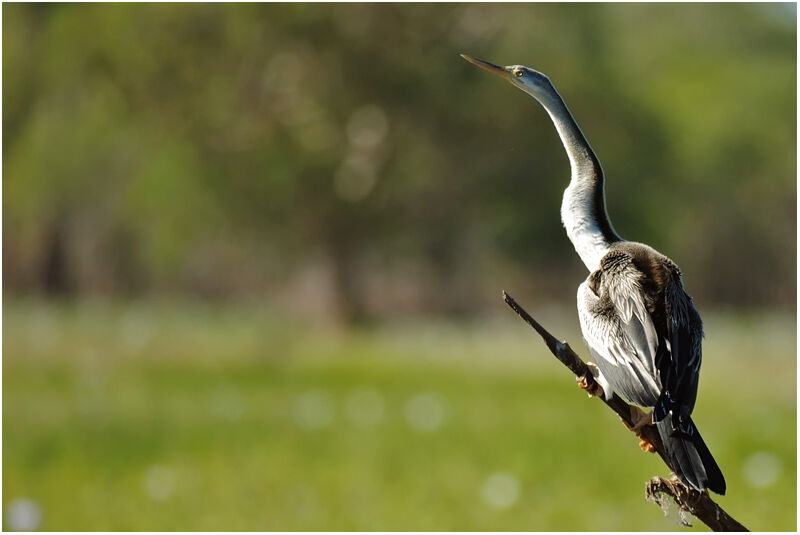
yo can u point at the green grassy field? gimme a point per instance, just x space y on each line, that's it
189 417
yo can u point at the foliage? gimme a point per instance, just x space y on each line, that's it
226 150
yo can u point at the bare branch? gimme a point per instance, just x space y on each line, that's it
697 503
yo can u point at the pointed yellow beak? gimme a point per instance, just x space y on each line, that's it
491 67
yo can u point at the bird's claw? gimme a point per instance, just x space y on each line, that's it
641 420
646 446
588 382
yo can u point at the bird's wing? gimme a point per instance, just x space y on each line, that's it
618 329
684 335
601 328
623 285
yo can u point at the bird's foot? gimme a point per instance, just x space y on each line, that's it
646 446
641 420
588 381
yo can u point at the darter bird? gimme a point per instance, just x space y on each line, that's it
640 325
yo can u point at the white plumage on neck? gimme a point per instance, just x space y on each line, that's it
583 210
582 227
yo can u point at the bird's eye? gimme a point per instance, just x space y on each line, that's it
518 73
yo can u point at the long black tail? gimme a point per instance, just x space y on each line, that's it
690 458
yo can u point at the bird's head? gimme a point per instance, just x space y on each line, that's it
532 82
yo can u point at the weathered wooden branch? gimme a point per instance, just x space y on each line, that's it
697 503
689 500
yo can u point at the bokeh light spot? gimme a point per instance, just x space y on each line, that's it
23 514
159 482
313 410
500 490
425 412
367 127
762 469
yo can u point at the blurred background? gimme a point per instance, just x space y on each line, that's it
253 256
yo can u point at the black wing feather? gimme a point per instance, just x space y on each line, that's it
681 372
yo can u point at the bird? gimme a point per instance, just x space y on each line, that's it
639 323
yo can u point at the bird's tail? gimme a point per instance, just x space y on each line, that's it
690 458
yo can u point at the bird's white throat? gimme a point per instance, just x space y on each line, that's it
582 226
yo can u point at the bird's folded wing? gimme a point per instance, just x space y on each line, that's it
685 334
621 332
625 291
601 329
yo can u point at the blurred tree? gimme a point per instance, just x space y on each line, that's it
233 150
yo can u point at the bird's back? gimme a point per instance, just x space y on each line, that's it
634 308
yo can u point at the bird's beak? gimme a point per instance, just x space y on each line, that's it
491 67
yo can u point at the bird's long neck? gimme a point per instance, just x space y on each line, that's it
583 208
